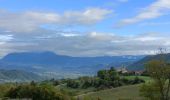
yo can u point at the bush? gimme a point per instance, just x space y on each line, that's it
73 83
137 81
150 91
34 92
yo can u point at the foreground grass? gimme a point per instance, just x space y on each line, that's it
4 88
130 92
121 93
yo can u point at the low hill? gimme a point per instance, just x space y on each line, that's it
17 76
140 65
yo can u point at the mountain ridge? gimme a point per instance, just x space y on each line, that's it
140 65
52 62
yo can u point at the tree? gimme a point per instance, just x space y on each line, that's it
150 91
159 71
32 83
113 74
56 83
102 74
73 83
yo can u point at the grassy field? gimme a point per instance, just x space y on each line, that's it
146 78
74 92
120 93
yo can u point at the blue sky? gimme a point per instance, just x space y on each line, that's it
84 27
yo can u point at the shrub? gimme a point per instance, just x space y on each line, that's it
73 83
41 92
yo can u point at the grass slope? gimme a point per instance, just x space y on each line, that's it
4 88
121 93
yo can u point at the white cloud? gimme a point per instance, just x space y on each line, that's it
69 34
32 20
88 44
155 10
5 38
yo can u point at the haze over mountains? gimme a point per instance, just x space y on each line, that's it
18 76
49 64
24 66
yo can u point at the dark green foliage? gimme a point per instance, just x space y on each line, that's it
145 73
108 74
32 83
35 92
150 91
137 80
56 83
159 71
102 74
104 79
88 82
111 79
72 83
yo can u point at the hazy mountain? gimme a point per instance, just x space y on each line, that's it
140 65
59 64
50 58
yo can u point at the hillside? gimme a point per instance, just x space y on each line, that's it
17 76
140 65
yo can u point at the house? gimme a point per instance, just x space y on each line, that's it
140 72
122 70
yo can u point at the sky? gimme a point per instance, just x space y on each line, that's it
85 27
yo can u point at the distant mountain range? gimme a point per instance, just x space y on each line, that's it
140 65
18 76
50 58
49 64
26 66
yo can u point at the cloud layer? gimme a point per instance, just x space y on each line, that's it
32 20
155 10
33 31
89 44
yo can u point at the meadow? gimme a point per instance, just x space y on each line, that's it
121 93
